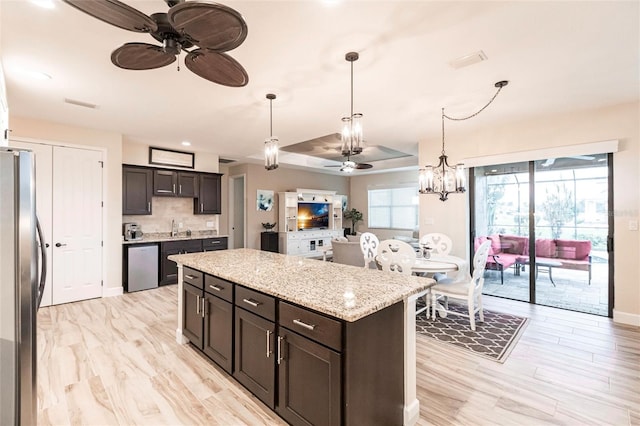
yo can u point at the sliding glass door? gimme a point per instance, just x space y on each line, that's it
548 223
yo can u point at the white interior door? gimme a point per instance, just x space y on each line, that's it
44 159
77 228
238 217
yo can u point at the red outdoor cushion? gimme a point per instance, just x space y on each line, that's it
574 249
478 242
496 247
515 244
545 247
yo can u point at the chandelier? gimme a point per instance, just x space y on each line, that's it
271 143
352 139
445 179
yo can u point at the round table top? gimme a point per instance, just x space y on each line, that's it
433 266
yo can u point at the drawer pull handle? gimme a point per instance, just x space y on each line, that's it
214 242
269 351
198 305
280 339
190 277
252 302
215 287
304 324
165 191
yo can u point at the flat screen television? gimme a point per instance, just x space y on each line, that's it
313 216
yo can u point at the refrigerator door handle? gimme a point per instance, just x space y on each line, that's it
43 267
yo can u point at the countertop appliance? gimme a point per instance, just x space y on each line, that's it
20 287
142 267
132 232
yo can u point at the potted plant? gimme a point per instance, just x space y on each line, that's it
355 216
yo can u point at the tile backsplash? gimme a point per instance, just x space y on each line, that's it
166 209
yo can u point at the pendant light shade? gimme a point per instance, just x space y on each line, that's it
352 136
271 143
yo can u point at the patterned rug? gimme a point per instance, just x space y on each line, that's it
493 339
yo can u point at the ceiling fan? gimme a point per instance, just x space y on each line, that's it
212 27
349 166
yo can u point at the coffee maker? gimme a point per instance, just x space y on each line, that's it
132 232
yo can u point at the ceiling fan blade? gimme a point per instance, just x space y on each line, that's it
209 25
362 166
141 56
217 67
116 13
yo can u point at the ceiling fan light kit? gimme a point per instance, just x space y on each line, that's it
271 143
445 179
213 28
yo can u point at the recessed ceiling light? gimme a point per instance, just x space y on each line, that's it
45 4
186 143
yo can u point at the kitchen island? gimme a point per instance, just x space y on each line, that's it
318 342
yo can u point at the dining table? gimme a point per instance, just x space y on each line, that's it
439 264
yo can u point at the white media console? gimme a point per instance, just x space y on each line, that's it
307 242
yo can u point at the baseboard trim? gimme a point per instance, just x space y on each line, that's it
112 291
626 318
411 412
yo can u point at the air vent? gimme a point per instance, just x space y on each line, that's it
225 161
470 59
80 103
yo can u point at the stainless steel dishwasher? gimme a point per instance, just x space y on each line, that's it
142 267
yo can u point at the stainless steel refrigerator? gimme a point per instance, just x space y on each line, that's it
22 274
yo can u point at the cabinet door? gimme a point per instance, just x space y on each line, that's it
168 268
187 184
218 331
165 183
254 355
192 314
208 201
309 376
137 188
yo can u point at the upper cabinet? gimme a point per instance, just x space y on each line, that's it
171 183
140 184
209 194
137 189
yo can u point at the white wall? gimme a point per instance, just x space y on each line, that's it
617 122
45 131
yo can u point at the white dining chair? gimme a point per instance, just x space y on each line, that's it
369 245
438 243
469 291
396 256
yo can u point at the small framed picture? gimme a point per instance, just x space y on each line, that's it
264 200
169 157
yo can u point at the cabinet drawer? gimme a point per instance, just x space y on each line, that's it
183 246
315 326
218 287
193 277
219 243
256 302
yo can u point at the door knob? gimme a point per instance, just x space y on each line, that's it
60 245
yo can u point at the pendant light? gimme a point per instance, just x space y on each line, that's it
271 143
445 179
352 139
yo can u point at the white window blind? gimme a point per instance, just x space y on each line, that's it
393 208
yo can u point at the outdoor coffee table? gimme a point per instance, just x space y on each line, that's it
541 263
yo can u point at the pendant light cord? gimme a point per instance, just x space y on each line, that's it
271 118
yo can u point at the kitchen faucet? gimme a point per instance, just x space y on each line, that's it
174 230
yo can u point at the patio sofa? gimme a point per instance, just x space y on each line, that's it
513 250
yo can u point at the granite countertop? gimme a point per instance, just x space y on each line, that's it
157 237
341 291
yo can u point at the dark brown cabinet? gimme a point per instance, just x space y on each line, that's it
209 194
168 268
254 333
137 190
208 316
171 183
214 243
269 241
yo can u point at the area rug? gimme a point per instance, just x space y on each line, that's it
493 339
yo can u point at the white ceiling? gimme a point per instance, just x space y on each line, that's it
558 56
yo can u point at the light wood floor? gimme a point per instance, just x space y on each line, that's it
115 361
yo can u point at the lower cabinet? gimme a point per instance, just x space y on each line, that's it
309 381
169 269
309 368
208 319
255 365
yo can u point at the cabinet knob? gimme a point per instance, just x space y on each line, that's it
60 245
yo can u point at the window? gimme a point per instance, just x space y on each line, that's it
393 208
